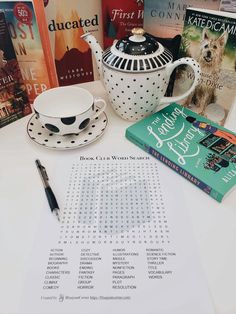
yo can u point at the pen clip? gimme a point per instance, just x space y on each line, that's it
43 172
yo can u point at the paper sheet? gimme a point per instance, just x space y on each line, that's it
124 245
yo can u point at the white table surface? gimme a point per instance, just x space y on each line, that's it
22 197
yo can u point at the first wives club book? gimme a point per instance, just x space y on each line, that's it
198 149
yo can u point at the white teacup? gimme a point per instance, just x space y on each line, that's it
67 110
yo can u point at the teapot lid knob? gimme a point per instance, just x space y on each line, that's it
137 35
137 31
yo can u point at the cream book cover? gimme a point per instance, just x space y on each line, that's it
67 21
166 18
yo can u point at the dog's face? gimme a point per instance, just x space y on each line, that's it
212 49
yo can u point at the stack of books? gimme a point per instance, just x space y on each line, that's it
27 65
49 51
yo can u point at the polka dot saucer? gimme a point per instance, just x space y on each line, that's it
40 135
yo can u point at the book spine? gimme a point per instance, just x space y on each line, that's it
187 175
165 18
44 35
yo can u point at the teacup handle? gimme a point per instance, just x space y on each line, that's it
197 74
101 109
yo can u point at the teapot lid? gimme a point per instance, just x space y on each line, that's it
139 44
138 52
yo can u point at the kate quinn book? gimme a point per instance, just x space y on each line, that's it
201 151
14 103
210 38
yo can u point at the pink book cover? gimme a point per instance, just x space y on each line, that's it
119 18
25 30
14 103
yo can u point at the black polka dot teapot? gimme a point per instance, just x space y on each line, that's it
136 71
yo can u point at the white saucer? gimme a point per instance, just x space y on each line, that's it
40 135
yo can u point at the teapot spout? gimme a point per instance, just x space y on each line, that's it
96 49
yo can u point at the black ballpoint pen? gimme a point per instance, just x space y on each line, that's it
49 193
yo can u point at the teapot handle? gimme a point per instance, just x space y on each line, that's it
197 74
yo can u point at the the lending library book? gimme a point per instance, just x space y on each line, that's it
210 38
195 147
165 18
27 26
119 18
14 103
67 21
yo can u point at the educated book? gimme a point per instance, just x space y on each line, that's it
210 38
166 18
26 23
14 103
195 147
119 18
67 21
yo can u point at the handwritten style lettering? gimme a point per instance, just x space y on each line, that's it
180 142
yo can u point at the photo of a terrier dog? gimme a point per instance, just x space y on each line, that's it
210 60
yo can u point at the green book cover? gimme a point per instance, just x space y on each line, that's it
198 149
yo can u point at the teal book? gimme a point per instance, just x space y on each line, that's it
198 149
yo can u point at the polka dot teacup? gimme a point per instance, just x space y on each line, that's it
67 110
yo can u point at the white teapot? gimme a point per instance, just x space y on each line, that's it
136 71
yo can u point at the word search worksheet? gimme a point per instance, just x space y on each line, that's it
124 244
